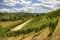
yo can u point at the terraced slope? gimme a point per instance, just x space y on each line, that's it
36 25
44 34
40 28
32 36
38 36
56 34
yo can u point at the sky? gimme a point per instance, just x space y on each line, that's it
33 6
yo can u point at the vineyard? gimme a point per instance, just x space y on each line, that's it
40 25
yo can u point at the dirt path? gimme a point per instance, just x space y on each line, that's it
43 35
38 37
20 26
56 34
57 28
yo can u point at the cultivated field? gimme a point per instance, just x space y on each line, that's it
45 26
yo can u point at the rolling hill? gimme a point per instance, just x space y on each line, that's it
41 27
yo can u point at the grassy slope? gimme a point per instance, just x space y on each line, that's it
43 35
33 23
57 31
56 34
7 23
20 26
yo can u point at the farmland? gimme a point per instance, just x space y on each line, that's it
41 25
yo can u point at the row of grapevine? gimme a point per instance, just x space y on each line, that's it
37 24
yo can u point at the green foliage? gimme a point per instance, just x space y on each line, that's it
1 31
52 25
15 16
39 22
54 13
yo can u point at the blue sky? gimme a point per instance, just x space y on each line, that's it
35 6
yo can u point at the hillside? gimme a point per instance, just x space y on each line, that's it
41 27
54 13
15 16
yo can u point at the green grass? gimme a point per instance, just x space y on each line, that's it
8 27
35 25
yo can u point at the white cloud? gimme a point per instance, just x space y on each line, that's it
10 2
5 0
7 10
29 6
55 3
49 6
25 3
4 10
36 5
24 9
40 5
14 2
48 1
